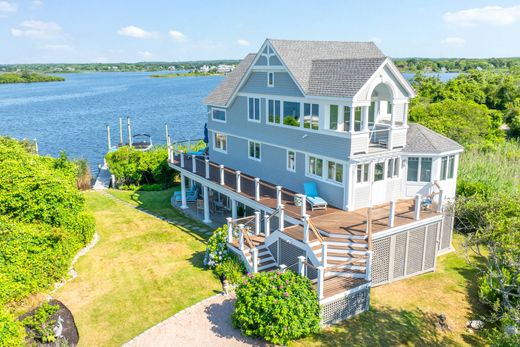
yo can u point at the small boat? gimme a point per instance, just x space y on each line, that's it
142 142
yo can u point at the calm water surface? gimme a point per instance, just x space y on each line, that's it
72 115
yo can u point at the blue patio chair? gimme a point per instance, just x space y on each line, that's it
190 190
190 197
200 152
311 192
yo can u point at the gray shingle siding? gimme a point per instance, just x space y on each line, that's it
283 85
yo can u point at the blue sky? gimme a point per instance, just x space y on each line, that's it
136 30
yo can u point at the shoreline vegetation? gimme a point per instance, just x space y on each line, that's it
424 65
27 77
186 74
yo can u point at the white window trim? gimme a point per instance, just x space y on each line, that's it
362 183
324 171
267 111
384 162
419 164
215 148
254 109
287 160
396 162
219 120
249 142
336 164
270 85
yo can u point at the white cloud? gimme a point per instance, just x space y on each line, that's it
177 36
242 42
6 6
144 54
496 15
37 29
136 32
453 41
376 40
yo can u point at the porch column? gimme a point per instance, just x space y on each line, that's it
364 113
207 219
391 216
241 236
221 174
306 228
181 152
281 218
278 196
368 266
184 205
207 168
439 203
239 183
303 211
257 189
405 117
234 209
392 115
229 221
257 223
254 252
267 225
324 254
417 212
352 118
193 164
321 279
301 265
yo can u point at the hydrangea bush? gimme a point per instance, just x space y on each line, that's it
277 306
216 249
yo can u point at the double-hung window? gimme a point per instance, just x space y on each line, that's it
335 171
254 109
358 118
346 118
447 167
333 117
311 116
362 173
218 114
273 111
392 168
419 169
291 161
254 150
315 166
220 142
291 113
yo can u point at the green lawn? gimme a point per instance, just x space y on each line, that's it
142 271
404 313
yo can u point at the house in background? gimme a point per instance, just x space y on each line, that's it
304 118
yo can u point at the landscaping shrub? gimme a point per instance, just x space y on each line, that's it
12 333
216 249
131 166
83 174
44 221
232 268
277 306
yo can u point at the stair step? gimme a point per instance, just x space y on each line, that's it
346 253
345 236
343 259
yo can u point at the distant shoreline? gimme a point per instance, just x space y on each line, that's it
24 77
185 74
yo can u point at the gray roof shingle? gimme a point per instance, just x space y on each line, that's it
221 95
420 139
321 68
313 63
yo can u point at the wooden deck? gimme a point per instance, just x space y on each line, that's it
331 220
339 284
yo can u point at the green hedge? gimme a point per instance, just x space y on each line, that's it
278 306
44 221
131 166
12 333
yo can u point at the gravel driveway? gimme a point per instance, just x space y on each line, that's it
207 323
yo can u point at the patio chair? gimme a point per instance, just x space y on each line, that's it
200 152
190 197
311 192
190 190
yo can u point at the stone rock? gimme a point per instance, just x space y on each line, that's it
511 330
475 324
442 322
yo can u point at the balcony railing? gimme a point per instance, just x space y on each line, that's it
380 137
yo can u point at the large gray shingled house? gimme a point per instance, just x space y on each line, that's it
311 153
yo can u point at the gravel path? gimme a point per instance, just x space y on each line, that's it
207 323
